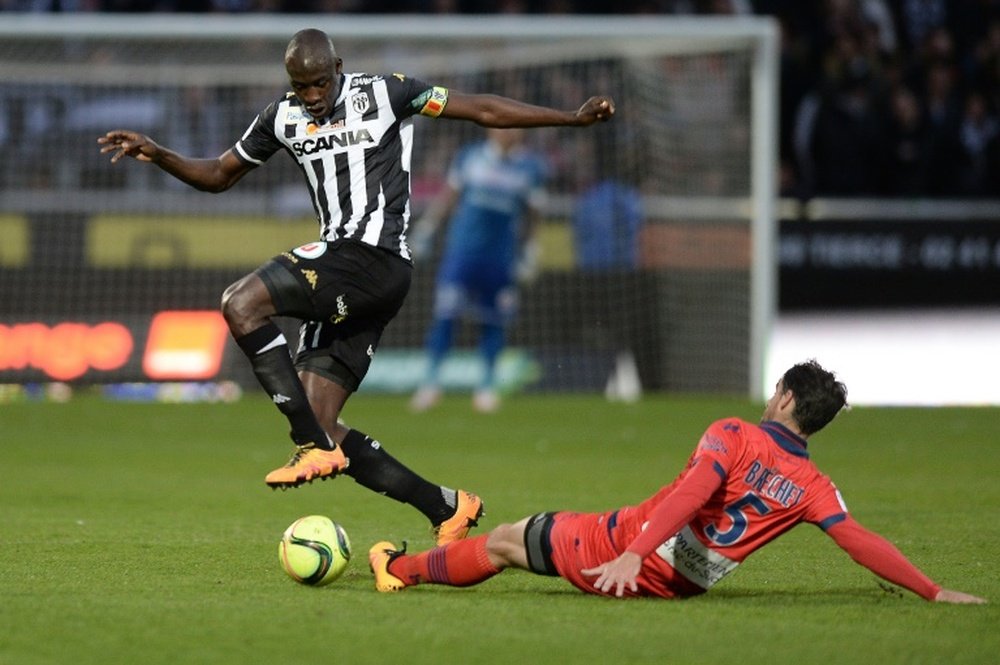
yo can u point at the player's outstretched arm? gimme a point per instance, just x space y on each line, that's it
497 111
949 596
210 175
882 558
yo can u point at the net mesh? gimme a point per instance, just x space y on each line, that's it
86 240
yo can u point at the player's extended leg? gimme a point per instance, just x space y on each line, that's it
462 563
248 308
452 513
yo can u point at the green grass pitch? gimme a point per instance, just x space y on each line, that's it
143 533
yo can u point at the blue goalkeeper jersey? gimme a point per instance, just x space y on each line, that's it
495 192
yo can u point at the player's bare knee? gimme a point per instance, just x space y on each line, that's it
505 545
497 540
241 306
230 303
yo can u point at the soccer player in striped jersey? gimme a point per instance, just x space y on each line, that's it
744 485
493 192
351 135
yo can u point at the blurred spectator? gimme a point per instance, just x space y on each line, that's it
909 145
978 135
607 218
878 15
841 137
918 18
942 107
982 66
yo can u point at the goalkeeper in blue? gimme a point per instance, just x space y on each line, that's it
492 196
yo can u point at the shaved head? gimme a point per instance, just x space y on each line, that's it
311 50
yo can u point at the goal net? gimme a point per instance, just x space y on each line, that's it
657 234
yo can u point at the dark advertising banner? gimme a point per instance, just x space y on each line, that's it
833 264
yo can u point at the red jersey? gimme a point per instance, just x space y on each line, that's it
744 486
768 485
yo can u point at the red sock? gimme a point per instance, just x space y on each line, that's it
461 563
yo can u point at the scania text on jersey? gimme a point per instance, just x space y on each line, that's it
333 141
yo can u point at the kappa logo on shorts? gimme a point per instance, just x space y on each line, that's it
312 250
311 277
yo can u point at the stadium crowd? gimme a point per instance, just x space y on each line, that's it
878 97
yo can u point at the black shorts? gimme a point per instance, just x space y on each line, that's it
345 292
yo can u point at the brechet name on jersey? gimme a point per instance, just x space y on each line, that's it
356 161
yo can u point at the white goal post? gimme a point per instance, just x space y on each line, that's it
695 136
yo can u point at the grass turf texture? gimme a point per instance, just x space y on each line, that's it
145 533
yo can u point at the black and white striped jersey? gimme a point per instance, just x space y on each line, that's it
357 161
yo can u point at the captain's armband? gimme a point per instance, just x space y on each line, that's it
432 102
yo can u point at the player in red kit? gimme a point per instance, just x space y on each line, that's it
744 485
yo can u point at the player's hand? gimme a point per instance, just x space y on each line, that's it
949 596
126 143
596 109
618 574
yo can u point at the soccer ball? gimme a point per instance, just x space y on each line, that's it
314 550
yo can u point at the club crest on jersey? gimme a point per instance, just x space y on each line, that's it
312 250
360 102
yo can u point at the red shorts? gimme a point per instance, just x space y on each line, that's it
586 540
